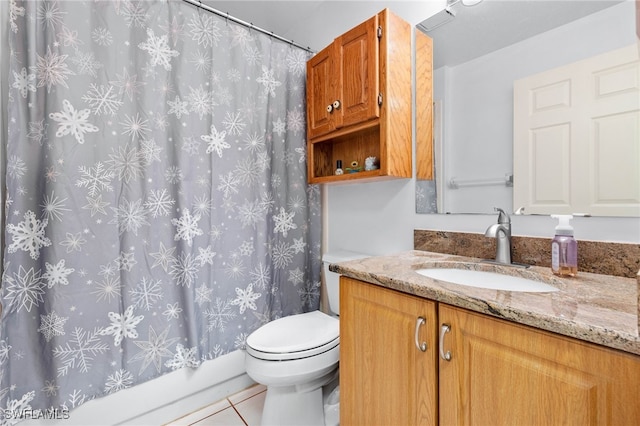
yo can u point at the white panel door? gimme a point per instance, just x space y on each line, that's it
577 137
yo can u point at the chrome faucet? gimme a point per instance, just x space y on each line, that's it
502 232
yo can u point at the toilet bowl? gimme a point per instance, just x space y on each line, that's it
296 358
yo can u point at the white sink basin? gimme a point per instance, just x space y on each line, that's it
488 280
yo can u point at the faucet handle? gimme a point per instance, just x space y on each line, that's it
503 217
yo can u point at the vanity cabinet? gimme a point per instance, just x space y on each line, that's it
385 377
483 370
503 373
359 102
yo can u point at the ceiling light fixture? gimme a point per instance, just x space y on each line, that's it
445 15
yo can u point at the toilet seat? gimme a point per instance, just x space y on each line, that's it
295 337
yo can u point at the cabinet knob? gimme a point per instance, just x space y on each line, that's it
336 104
329 108
421 346
444 329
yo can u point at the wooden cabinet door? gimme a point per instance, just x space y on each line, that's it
501 373
321 83
358 56
576 137
385 379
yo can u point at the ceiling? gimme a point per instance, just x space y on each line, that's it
475 30
315 23
494 24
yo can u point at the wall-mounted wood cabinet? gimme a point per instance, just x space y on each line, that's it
478 370
359 102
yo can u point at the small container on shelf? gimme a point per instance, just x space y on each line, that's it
371 163
355 167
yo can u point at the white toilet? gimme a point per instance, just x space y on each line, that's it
296 356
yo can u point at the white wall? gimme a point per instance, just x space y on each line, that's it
379 217
372 218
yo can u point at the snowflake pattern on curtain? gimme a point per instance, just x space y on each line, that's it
157 207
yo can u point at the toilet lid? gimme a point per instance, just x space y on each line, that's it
297 335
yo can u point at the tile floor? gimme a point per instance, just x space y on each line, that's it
241 409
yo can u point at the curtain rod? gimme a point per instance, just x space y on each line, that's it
226 15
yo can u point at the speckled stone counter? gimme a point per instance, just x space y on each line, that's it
601 309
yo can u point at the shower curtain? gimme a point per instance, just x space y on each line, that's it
157 210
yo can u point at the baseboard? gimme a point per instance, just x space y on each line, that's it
164 399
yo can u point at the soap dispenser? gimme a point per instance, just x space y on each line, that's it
564 248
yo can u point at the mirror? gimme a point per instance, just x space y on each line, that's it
478 54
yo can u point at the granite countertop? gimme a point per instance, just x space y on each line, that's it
601 309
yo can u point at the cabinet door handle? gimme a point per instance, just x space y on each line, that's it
329 108
336 104
444 329
421 346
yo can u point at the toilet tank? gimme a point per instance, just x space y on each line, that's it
332 280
